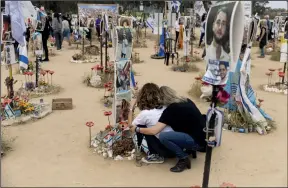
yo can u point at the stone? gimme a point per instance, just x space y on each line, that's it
110 153
105 155
118 158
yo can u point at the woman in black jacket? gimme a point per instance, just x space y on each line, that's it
187 122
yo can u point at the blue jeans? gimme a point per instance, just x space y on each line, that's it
177 141
262 52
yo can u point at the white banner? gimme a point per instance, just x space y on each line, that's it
199 8
247 8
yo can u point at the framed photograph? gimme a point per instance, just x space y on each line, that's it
94 11
6 29
39 26
124 45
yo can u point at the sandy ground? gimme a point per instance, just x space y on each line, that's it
54 151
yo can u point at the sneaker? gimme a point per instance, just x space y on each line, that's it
153 159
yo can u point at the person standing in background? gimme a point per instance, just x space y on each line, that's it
45 37
262 38
66 30
97 23
57 27
202 28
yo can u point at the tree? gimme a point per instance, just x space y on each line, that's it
259 7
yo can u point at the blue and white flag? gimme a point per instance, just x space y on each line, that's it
23 57
176 5
150 23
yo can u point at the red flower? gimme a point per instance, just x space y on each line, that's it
260 100
7 101
111 64
205 84
98 67
106 85
281 74
47 71
112 133
108 127
107 113
110 83
43 73
25 73
16 98
106 70
51 72
89 124
198 78
268 73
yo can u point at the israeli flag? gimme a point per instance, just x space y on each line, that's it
23 57
176 5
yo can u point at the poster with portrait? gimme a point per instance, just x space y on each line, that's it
6 29
87 12
123 91
223 38
124 45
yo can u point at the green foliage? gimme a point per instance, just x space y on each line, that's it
259 7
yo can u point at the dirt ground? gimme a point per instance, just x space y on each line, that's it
54 151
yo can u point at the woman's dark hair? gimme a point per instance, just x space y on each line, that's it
149 97
123 21
203 18
56 15
210 22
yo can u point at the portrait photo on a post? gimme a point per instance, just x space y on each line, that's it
124 46
6 29
217 37
218 32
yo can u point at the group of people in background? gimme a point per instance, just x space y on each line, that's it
58 26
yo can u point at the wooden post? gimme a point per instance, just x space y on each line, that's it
37 71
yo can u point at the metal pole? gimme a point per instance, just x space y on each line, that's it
158 30
209 134
283 79
101 44
106 49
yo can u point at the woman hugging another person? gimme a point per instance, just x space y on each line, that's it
176 130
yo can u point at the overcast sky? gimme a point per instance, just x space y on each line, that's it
277 4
